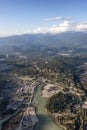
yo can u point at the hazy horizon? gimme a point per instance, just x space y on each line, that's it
32 17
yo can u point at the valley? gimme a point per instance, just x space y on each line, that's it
43 87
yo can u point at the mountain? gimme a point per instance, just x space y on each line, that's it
76 41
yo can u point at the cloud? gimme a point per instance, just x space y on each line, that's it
62 27
57 18
81 27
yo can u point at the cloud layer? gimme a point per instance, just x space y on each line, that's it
66 25
57 18
62 27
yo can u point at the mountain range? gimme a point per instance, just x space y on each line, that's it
76 41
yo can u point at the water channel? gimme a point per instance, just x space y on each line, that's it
45 122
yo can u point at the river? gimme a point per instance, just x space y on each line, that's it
45 122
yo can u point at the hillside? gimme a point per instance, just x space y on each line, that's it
74 42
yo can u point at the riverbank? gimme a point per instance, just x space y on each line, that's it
45 122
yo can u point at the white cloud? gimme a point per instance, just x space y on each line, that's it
81 27
57 18
63 27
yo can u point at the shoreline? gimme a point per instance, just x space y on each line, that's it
45 121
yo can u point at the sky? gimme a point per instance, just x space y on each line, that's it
42 16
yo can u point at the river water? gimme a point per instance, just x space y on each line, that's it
45 122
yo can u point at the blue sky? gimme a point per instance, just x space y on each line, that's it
38 16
